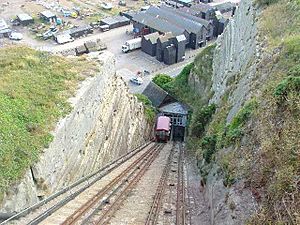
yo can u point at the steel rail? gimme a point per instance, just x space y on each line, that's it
180 203
109 167
157 201
72 219
105 218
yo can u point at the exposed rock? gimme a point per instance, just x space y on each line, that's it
106 121
233 67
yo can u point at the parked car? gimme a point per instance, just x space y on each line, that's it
136 80
16 36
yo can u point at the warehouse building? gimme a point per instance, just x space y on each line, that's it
25 19
208 25
166 19
149 43
145 21
115 21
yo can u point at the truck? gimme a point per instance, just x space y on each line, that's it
132 45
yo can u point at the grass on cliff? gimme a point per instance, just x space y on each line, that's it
149 109
34 88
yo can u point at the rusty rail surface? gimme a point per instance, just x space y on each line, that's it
84 209
157 201
180 203
119 199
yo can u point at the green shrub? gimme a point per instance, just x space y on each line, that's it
288 85
149 109
234 131
208 146
201 118
266 2
162 80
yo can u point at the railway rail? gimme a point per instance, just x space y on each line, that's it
53 203
100 208
165 187
180 203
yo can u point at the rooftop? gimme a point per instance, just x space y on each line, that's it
157 95
152 37
175 108
24 17
48 14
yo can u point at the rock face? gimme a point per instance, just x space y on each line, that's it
106 122
233 65
234 71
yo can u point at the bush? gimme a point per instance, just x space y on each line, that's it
201 118
234 131
208 146
162 80
266 2
149 109
286 86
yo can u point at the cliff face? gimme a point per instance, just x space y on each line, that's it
106 122
246 152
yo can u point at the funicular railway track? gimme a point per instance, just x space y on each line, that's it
180 203
106 201
156 214
101 207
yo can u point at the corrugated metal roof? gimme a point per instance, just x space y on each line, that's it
187 15
157 23
114 19
202 7
169 15
48 14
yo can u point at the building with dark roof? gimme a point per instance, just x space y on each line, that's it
149 43
25 19
154 23
165 20
115 21
157 95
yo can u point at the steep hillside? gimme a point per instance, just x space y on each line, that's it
247 137
34 88
54 129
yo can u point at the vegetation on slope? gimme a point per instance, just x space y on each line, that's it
149 109
261 144
34 88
